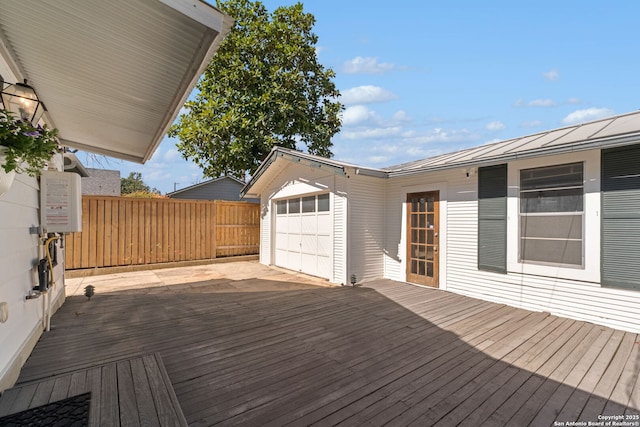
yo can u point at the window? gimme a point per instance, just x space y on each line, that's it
281 207
323 202
552 215
308 204
294 206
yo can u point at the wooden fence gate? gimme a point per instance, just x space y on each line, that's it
120 231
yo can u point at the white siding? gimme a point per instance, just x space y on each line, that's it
366 227
339 207
267 215
578 299
19 252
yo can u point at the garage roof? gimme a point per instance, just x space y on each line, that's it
113 74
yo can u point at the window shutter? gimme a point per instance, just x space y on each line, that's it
492 218
620 259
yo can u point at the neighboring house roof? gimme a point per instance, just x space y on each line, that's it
102 182
205 183
609 132
113 74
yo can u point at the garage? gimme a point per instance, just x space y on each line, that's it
303 234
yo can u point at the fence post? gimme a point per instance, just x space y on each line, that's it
214 228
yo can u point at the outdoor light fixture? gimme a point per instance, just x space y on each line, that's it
21 100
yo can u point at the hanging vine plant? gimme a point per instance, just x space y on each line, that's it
27 148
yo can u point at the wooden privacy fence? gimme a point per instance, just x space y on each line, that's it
120 231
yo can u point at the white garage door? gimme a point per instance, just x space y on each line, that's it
303 235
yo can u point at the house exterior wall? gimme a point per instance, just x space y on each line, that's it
570 292
366 236
19 253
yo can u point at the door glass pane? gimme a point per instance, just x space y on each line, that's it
430 204
430 269
414 267
422 204
430 221
422 221
308 204
414 220
430 235
421 269
422 236
414 251
414 205
430 253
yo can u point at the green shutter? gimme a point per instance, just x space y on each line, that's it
620 239
492 218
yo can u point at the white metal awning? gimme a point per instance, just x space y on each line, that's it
113 74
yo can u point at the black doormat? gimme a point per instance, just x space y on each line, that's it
70 412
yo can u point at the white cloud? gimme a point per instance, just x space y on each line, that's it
586 115
551 75
366 95
401 116
368 65
531 124
535 103
171 155
372 133
574 101
541 103
443 135
494 126
356 115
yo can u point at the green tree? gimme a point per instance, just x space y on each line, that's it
134 184
264 87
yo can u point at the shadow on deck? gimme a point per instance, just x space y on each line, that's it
385 353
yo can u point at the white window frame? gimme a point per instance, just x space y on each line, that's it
590 272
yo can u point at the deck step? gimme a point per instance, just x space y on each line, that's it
121 392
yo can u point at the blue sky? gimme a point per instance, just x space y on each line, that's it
421 78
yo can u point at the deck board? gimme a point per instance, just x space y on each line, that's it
130 392
383 353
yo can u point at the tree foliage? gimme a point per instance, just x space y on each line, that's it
134 185
264 87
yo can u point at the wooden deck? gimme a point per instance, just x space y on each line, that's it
385 353
130 392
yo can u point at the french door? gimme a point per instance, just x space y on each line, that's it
423 230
